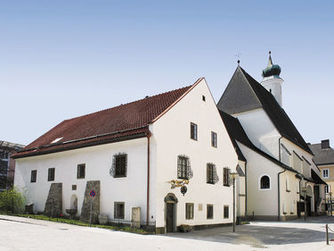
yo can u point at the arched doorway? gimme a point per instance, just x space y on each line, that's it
170 212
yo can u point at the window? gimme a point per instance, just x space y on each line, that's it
287 185
183 168
213 139
265 182
51 174
33 176
81 171
193 131
120 165
226 176
119 210
210 173
226 212
3 155
74 187
189 211
325 173
203 98
327 190
209 211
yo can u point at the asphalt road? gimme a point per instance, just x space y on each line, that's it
28 234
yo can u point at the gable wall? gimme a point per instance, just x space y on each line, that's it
171 136
260 130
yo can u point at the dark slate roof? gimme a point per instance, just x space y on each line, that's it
237 134
244 93
322 156
118 123
316 178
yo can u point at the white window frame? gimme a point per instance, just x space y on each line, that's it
259 182
325 169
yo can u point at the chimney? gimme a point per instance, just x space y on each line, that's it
325 144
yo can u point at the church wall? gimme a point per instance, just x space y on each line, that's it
260 130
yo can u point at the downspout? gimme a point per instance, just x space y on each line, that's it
278 182
246 190
148 180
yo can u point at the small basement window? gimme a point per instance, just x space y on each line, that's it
189 211
226 212
209 211
119 210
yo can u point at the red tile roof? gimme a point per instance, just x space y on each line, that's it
115 124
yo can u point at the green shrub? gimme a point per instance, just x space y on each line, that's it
12 201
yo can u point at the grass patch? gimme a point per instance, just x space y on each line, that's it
85 224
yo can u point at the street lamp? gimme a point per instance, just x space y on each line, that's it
233 177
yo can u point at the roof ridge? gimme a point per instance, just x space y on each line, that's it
131 102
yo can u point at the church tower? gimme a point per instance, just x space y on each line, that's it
272 81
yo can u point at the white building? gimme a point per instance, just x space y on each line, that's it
277 160
127 157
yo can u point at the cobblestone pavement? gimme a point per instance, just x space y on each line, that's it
28 234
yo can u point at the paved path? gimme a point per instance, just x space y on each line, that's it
28 234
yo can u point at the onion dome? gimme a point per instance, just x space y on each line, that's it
272 69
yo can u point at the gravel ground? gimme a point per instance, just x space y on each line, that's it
28 234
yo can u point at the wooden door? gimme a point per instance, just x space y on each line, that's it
170 217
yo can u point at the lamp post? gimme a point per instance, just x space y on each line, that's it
233 176
330 203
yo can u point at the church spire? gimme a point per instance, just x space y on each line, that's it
272 69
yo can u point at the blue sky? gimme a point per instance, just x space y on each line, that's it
61 59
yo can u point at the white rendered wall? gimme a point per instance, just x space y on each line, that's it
171 137
273 84
260 202
98 160
260 130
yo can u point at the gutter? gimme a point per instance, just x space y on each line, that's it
148 180
246 189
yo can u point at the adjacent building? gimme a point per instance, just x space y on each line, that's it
281 177
324 158
7 164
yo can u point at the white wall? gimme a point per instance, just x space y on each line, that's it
260 130
171 137
260 202
98 160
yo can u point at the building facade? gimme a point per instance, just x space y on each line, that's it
279 166
167 157
324 158
7 164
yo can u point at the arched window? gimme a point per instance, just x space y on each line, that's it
265 182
